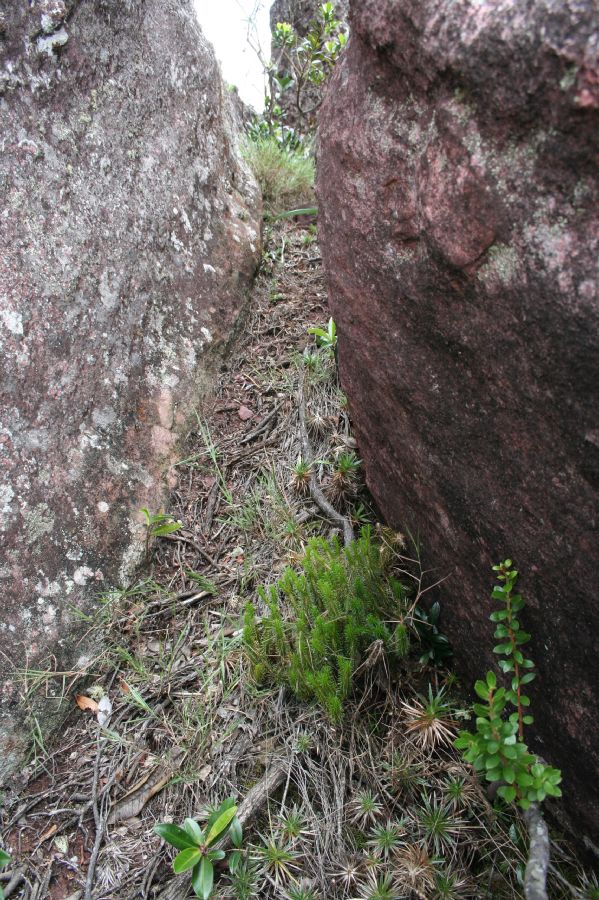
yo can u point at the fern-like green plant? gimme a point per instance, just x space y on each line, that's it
321 620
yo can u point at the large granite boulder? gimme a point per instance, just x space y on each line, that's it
128 238
459 219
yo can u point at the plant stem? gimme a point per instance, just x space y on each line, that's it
516 664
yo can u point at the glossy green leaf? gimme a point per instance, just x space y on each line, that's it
221 824
236 832
194 831
167 528
174 835
481 689
202 879
508 792
187 859
499 615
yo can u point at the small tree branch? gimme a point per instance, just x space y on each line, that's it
535 876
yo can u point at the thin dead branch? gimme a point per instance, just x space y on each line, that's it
535 877
315 489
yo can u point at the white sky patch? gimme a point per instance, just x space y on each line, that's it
225 24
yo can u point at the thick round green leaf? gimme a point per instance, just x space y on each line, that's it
507 792
174 835
481 689
4 858
187 859
236 832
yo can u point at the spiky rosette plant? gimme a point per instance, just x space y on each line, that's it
300 477
344 478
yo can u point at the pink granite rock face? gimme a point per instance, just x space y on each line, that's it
458 191
129 234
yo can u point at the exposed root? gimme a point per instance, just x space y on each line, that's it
315 489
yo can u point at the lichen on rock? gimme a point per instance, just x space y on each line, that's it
129 235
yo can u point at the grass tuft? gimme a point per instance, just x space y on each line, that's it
285 176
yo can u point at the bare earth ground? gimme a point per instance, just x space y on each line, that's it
188 726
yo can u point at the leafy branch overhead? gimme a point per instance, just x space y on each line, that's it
310 61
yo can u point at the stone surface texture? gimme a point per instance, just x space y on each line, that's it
459 203
129 234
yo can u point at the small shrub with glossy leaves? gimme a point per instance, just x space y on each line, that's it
497 748
199 850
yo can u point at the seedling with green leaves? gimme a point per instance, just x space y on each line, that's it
5 858
436 648
344 479
326 337
158 525
302 474
497 748
199 848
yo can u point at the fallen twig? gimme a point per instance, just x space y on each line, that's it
315 489
99 820
136 798
180 538
535 876
14 883
262 425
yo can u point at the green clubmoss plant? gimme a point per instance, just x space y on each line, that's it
322 622
497 748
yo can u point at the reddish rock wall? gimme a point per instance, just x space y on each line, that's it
128 238
459 200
